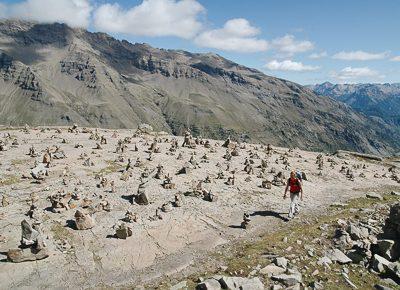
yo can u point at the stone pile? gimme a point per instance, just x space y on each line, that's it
32 247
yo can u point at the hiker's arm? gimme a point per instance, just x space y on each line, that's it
301 191
286 189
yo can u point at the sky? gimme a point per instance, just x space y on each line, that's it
308 41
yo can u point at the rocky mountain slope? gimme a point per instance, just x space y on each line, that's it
375 100
51 74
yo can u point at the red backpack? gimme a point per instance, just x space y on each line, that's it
294 185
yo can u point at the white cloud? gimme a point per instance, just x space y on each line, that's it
359 55
349 73
151 18
288 65
236 35
75 13
396 58
289 45
318 55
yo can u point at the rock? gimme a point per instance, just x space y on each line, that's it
122 231
29 235
167 207
142 199
342 239
394 270
83 221
25 255
272 270
241 283
392 224
387 249
145 128
357 233
315 285
389 281
180 286
281 262
338 256
39 171
374 195
209 284
339 204
288 279
381 287
397 193
379 264
357 255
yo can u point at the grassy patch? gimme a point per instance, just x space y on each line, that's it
61 233
9 180
111 167
248 255
16 162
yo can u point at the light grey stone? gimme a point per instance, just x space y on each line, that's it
338 256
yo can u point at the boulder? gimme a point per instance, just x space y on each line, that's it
357 232
288 279
338 256
392 224
25 255
180 286
241 283
358 255
122 231
272 270
145 128
374 195
394 270
209 284
39 171
381 287
324 261
83 221
142 199
29 235
281 262
387 249
379 264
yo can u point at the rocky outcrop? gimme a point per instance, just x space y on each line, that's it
21 75
80 68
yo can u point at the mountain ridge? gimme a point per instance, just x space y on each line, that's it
51 74
372 99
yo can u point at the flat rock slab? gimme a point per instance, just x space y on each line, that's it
337 255
26 255
272 270
288 279
374 195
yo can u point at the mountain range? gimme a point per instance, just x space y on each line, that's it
374 100
51 74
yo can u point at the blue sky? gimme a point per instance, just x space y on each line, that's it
304 41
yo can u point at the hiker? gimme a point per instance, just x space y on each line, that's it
295 188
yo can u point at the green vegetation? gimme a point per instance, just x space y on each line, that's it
9 180
110 168
16 162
